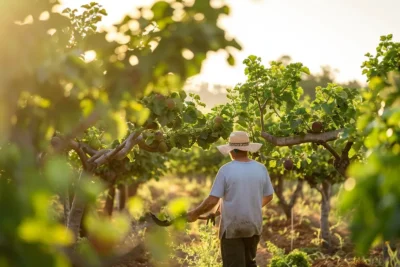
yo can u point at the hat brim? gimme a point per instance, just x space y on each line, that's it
252 147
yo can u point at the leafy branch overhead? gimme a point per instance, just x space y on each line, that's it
112 103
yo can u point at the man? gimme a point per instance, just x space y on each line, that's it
245 187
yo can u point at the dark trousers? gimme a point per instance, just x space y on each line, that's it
239 252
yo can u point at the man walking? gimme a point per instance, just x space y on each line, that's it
245 187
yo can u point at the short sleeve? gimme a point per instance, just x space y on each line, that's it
218 188
267 189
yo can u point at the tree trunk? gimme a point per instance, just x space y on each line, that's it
325 210
76 214
109 205
66 204
122 197
285 205
132 189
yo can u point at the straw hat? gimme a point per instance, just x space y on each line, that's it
239 140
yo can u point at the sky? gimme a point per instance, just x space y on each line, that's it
315 32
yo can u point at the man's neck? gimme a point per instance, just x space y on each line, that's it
242 159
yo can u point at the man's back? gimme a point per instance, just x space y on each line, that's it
242 186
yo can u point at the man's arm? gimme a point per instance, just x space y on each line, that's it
266 200
207 205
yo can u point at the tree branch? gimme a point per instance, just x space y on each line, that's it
276 112
345 152
264 105
296 192
301 139
261 114
279 191
129 144
319 189
330 149
144 146
87 149
59 143
105 156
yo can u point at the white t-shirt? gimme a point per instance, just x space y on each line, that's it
242 186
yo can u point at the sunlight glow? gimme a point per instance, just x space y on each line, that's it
133 60
44 16
349 184
187 54
90 56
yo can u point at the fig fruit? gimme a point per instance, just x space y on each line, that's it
162 147
218 120
288 164
316 127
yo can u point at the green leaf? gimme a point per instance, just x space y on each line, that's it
231 60
272 163
103 12
305 70
190 115
328 108
161 9
275 154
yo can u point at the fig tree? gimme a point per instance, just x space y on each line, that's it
288 164
317 127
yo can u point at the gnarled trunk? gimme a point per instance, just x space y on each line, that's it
121 197
325 210
287 205
109 205
76 214
132 189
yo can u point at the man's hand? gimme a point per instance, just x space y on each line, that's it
207 205
191 216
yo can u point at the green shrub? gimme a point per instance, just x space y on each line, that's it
201 253
295 258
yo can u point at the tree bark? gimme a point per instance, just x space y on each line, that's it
132 189
66 204
83 230
301 139
325 210
287 205
122 197
76 214
109 205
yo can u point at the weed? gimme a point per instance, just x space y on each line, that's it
393 260
294 258
341 240
204 253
